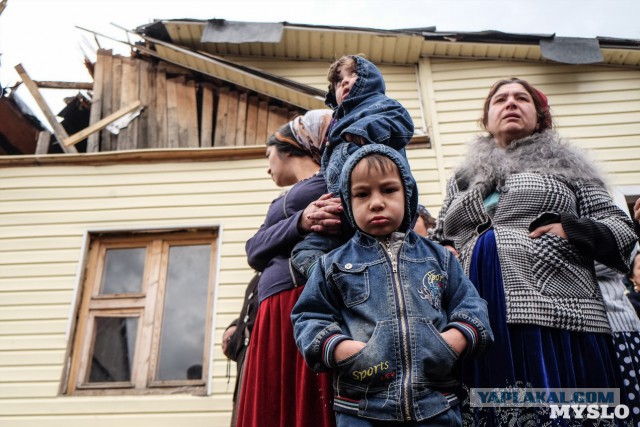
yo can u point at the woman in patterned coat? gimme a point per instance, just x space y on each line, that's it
528 215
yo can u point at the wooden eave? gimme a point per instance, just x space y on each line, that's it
308 43
396 47
169 155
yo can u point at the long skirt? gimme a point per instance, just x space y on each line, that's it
527 355
627 346
279 389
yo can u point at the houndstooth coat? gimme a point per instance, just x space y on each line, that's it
548 281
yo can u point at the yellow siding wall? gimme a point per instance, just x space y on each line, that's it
401 81
597 108
44 212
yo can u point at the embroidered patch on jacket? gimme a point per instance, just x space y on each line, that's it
432 287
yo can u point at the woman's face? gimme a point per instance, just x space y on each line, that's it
512 114
278 169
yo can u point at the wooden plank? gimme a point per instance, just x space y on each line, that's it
252 121
173 136
232 117
46 84
58 130
128 136
181 110
206 117
116 95
144 95
161 108
79 136
191 114
220 136
151 137
44 139
93 143
241 120
275 120
261 129
108 77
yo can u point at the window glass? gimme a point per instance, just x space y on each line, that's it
185 313
113 349
123 271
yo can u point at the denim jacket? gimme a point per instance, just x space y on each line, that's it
366 112
397 295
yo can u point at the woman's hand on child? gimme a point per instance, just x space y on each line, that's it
455 339
346 349
322 216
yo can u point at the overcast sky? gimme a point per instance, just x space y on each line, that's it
42 34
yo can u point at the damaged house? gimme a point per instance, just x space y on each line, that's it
122 235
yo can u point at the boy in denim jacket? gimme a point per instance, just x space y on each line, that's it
362 115
389 311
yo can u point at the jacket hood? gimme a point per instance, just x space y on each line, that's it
369 82
409 183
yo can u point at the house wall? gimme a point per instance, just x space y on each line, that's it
45 212
401 81
597 108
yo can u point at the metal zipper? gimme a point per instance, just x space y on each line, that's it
404 328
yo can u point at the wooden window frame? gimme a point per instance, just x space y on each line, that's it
148 306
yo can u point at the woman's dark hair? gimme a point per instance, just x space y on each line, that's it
283 141
545 120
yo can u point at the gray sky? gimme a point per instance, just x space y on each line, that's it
41 34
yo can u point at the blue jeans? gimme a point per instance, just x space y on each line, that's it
450 418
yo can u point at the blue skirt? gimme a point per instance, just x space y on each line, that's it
527 355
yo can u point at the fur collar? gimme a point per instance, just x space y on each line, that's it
488 166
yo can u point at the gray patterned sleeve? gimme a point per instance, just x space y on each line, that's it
602 230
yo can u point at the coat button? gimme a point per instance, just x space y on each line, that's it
246 318
250 295
348 266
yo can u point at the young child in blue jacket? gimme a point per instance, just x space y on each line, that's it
363 114
389 311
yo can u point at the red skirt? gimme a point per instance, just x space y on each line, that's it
278 388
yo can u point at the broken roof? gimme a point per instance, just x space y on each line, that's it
402 46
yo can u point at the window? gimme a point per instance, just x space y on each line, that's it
145 313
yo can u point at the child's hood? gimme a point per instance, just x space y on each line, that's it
409 184
370 81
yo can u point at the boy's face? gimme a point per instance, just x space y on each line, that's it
377 199
348 78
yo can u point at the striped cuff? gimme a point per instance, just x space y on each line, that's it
329 347
470 333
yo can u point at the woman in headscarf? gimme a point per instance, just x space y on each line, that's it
278 388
